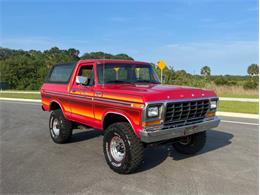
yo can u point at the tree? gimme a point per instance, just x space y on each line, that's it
26 70
103 55
205 71
253 70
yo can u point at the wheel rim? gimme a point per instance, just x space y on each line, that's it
117 148
185 141
56 127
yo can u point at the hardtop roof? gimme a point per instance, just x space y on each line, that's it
112 61
101 61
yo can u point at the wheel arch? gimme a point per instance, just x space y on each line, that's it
111 117
54 105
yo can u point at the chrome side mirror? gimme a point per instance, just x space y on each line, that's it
81 80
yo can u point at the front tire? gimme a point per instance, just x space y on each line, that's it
191 144
123 150
60 127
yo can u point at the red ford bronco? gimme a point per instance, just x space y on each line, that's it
126 101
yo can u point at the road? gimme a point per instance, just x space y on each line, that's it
32 163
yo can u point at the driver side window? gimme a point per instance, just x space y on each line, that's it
87 71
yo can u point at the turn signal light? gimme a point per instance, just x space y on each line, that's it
210 114
149 123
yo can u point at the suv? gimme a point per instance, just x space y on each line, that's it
126 101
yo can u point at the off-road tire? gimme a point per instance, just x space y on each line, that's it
65 127
196 143
134 150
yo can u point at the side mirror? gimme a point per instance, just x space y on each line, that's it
81 80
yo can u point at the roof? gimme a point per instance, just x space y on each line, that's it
112 61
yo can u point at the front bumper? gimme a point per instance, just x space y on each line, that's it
149 136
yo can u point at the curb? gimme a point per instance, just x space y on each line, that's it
239 99
21 92
230 114
20 99
238 115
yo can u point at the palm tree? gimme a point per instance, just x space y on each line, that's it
253 70
205 71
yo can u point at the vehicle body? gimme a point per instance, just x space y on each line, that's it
125 97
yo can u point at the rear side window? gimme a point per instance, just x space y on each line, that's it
60 73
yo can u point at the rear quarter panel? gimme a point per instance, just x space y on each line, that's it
51 92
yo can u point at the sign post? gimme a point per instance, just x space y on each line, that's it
162 66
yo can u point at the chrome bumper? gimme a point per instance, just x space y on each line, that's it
148 135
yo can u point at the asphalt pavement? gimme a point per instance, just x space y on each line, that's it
32 163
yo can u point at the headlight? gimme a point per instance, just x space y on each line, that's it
213 104
153 111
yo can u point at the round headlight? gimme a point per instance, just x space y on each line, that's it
153 111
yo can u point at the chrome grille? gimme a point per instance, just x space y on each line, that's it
186 112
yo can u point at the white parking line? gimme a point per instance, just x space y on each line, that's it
238 122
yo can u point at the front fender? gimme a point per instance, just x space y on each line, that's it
136 127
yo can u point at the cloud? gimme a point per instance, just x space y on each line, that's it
27 42
41 43
222 57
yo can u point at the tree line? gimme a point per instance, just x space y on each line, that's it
26 70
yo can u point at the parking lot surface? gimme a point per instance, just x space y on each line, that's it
32 163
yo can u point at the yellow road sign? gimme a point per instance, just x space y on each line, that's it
162 64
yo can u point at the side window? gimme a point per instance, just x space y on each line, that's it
60 73
87 71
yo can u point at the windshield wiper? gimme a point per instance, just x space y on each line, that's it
117 81
147 81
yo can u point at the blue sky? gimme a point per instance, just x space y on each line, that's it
187 34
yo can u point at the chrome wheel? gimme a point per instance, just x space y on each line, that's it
56 127
117 148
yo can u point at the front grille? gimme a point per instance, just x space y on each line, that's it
185 113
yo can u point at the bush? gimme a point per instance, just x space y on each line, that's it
221 80
250 85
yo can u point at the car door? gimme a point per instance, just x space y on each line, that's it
82 94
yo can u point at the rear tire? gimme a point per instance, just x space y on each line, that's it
60 127
123 150
191 144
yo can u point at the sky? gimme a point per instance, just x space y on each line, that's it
187 34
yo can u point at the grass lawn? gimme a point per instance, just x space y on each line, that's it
20 95
242 107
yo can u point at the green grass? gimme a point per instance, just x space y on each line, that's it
20 95
242 107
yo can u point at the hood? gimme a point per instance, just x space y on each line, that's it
157 92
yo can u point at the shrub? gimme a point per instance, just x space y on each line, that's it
250 85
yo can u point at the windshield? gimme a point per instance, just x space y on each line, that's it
126 73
